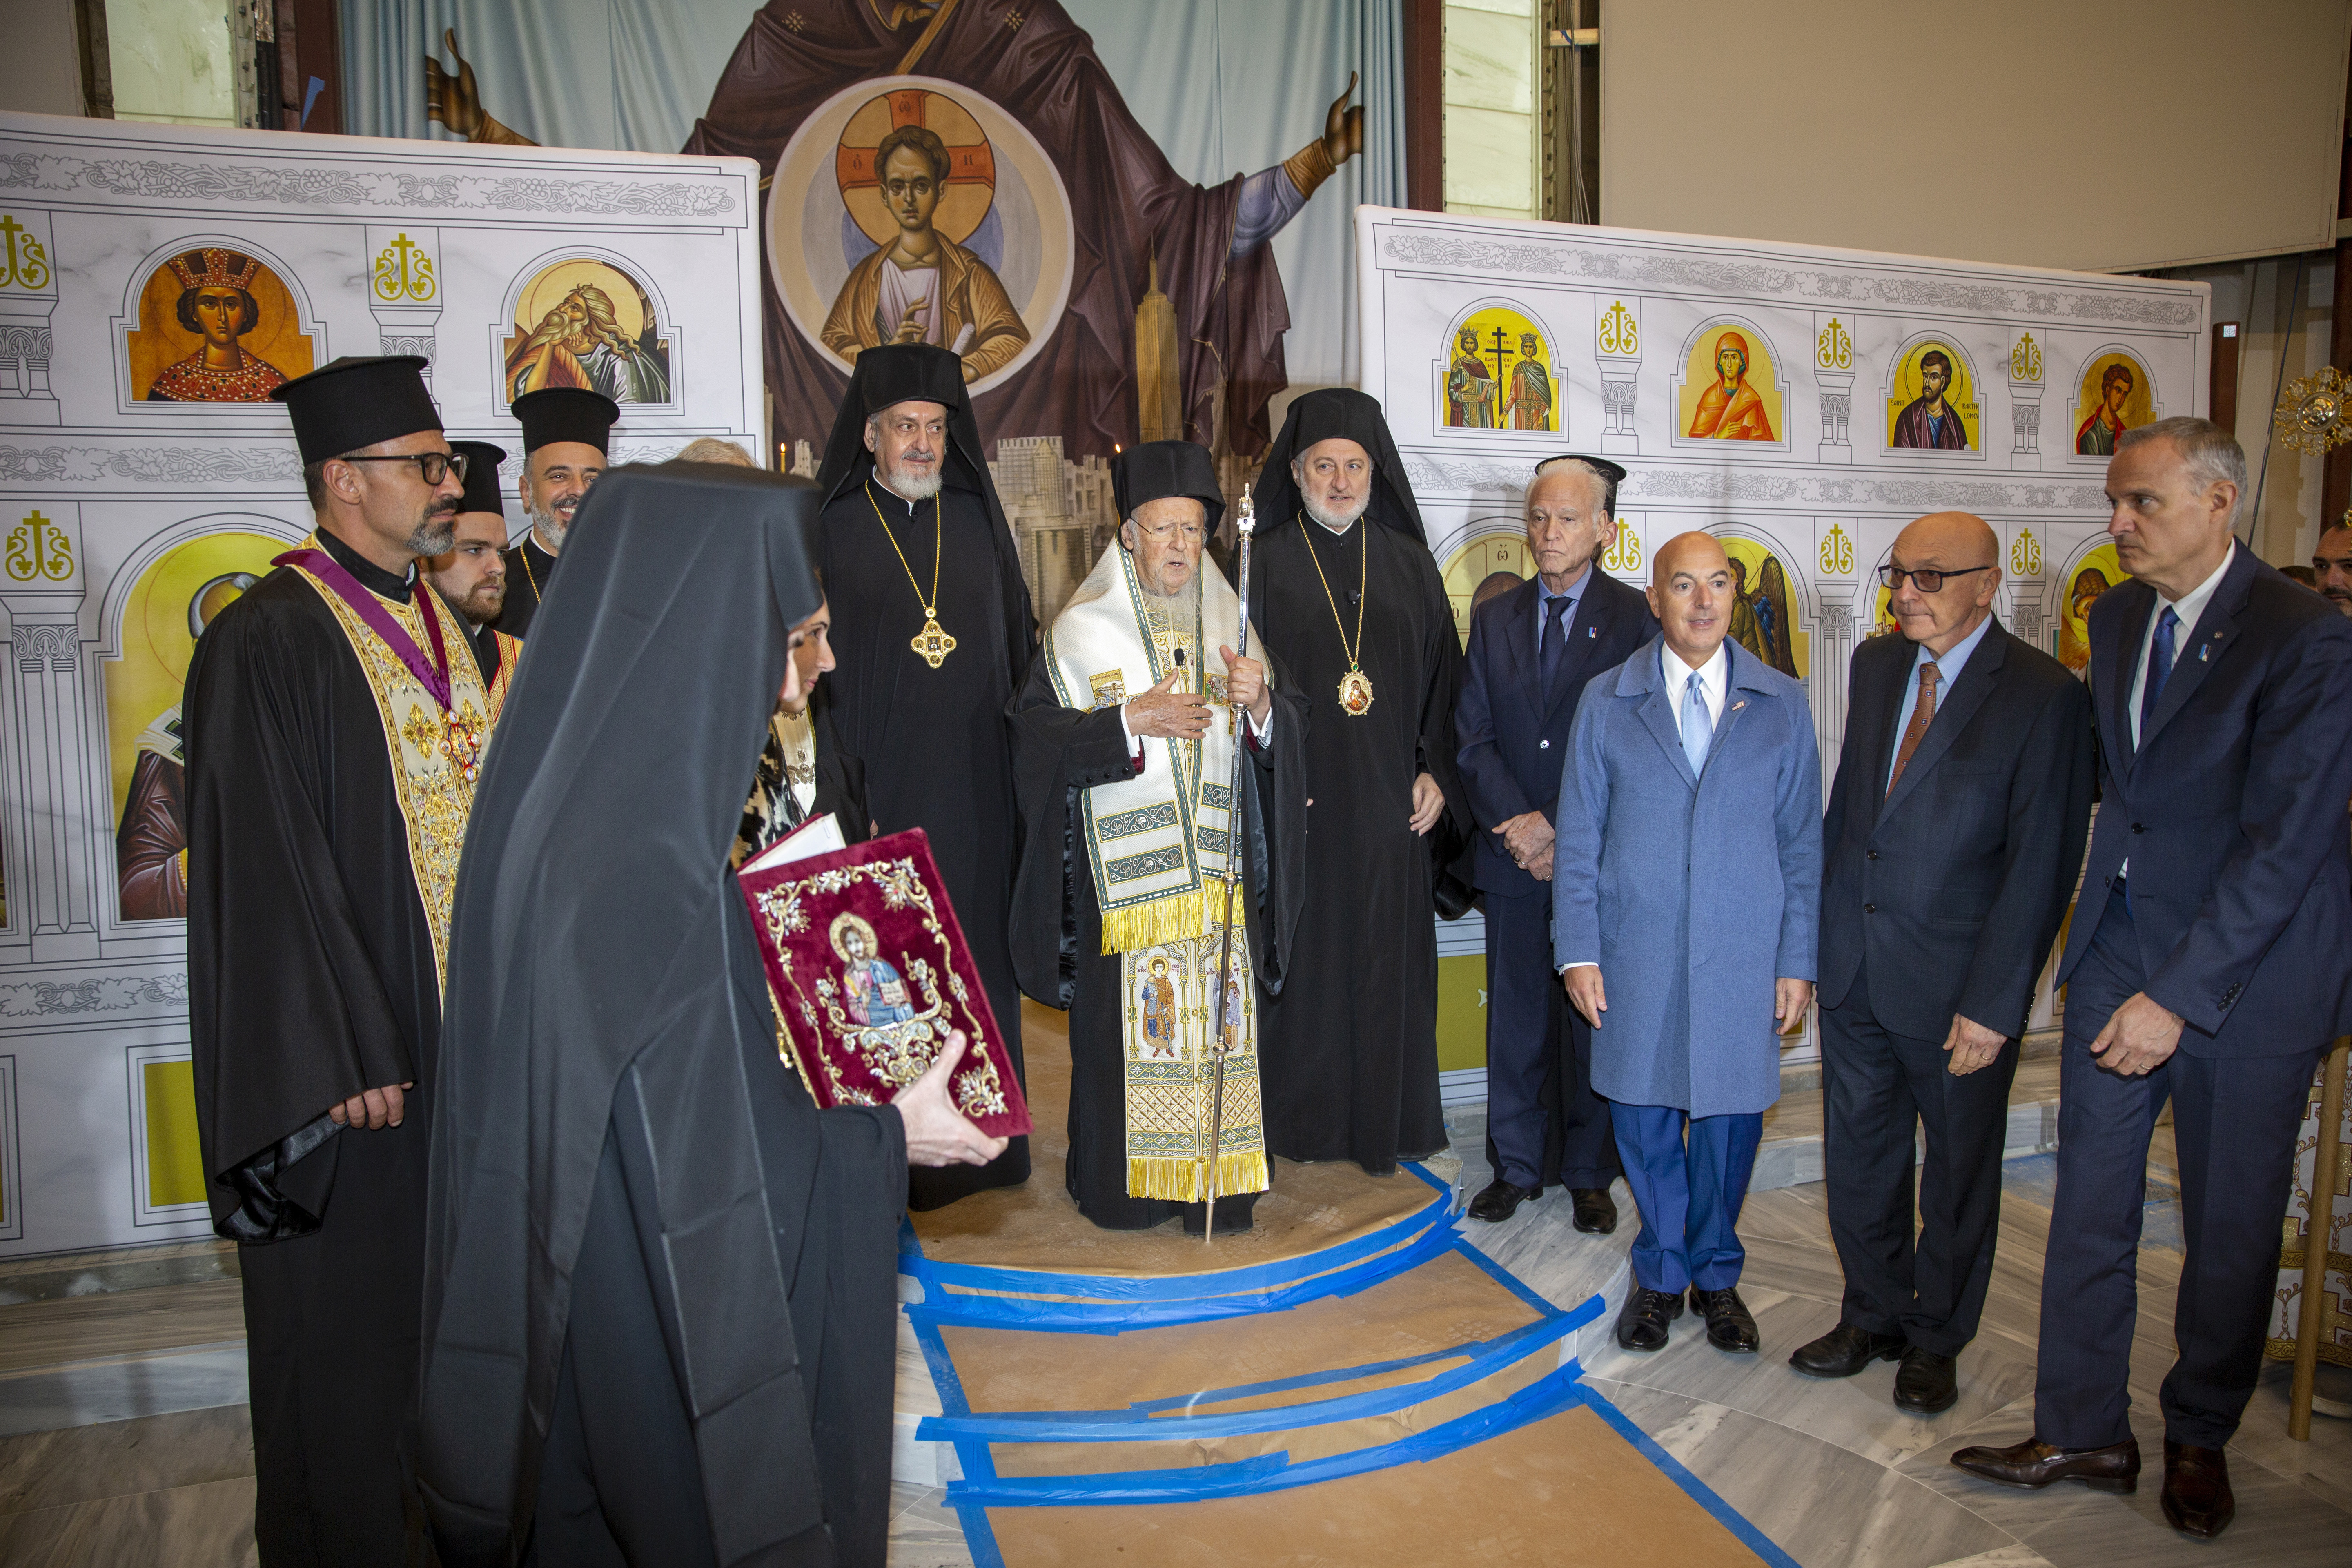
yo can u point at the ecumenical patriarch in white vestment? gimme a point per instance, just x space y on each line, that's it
1126 734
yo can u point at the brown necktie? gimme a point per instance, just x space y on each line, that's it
1922 713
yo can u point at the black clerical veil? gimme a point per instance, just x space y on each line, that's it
1338 413
604 982
917 372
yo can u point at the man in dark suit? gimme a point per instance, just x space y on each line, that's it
2204 964
1954 832
1531 651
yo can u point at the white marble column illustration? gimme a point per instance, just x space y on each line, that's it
2026 385
2026 589
405 289
28 296
1833 375
41 587
1617 349
1836 558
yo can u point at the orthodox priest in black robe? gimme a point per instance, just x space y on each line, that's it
932 635
1346 595
660 1303
566 434
1127 735
333 722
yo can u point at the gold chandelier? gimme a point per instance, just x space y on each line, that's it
2314 414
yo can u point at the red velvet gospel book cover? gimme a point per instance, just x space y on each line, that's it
871 973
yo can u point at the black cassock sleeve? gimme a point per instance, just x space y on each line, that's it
1452 842
289 1012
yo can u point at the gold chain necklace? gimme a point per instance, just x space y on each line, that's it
1355 686
933 643
530 575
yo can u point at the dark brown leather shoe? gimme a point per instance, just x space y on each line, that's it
1926 1384
2196 1496
1844 1352
1596 1210
2034 1463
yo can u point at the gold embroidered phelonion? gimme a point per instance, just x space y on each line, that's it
932 642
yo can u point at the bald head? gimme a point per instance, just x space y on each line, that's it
1963 549
1690 592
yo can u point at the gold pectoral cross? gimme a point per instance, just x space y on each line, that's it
933 643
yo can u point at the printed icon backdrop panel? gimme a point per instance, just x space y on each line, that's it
1801 404
155 283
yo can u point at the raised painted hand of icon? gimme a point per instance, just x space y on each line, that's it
1343 128
454 100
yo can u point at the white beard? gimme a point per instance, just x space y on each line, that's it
1181 603
1337 521
911 487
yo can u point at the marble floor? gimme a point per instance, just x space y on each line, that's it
124 1440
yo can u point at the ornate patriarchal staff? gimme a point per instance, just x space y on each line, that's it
1244 525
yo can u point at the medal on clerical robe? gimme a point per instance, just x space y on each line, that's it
932 642
1355 686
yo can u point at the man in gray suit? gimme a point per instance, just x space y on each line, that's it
1687 872
1954 834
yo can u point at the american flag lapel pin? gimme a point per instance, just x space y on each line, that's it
1738 705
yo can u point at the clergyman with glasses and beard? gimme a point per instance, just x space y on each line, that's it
472 573
334 723
1126 734
931 635
566 434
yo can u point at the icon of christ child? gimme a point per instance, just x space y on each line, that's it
924 288
1159 999
216 303
875 993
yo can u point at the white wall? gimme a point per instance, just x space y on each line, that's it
40 70
2075 133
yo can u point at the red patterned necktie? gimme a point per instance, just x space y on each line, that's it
1922 713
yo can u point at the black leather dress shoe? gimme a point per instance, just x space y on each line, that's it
1730 1325
1500 1201
1926 1384
1641 1323
2034 1463
1844 1350
1596 1210
2196 1496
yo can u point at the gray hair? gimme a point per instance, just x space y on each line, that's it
714 449
1578 465
2211 453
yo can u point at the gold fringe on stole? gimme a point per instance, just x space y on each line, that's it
1187 1181
1178 917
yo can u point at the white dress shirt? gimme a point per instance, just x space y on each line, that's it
1674 675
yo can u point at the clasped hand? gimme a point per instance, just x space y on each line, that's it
1165 713
1528 837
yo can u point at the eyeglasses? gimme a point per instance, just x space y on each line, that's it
1193 532
1926 582
433 466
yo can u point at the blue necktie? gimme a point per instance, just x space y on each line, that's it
2160 667
1555 643
1696 730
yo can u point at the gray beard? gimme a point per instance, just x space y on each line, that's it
550 527
911 487
434 535
1337 522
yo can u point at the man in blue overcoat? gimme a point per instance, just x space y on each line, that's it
1687 884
